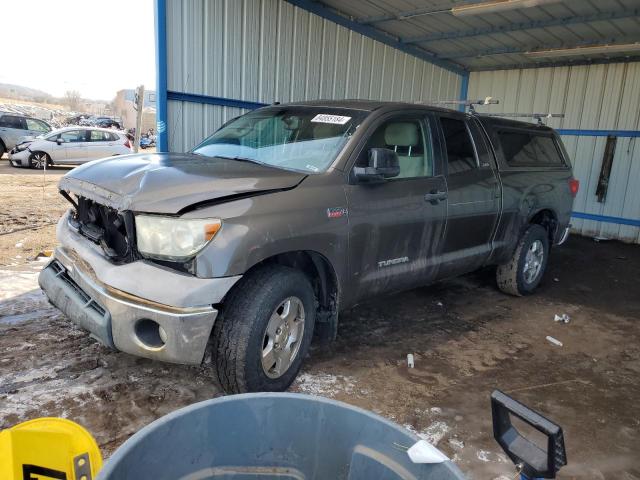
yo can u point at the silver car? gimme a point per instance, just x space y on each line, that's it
70 145
13 127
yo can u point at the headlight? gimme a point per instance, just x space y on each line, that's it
22 146
170 238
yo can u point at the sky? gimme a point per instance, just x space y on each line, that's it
94 47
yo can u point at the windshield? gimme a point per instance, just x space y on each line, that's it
305 139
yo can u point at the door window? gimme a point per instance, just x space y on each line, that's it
36 125
12 121
98 136
73 136
461 155
408 139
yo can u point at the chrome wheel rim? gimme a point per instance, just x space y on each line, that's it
283 337
533 261
38 160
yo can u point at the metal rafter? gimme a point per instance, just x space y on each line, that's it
532 48
552 64
513 27
410 13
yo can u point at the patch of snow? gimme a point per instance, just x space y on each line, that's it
456 443
483 455
21 299
324 384
432 434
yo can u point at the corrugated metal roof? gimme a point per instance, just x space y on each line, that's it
498 40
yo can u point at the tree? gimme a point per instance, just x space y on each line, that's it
72 99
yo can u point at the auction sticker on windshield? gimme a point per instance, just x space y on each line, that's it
325 118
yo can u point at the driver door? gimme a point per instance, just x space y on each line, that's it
396 226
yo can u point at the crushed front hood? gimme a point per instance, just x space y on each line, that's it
172 182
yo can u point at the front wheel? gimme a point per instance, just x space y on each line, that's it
524 272
265 331
39 159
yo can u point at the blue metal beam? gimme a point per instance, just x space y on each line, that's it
464 90
563 63
547 46
598 133
161 74
210 100
378 35
513 27
606 219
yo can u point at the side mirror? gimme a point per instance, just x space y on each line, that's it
59 141
533 460
383 163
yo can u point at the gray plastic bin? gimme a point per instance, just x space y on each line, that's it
271 436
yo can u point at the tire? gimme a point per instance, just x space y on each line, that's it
38 159
524 272
3 148
241 337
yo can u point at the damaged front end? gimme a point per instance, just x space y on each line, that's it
114 231
101 282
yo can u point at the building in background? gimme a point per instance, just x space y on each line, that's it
123 108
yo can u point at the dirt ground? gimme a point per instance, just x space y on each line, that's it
466 336
30 205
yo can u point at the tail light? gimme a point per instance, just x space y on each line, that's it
574 186
127 144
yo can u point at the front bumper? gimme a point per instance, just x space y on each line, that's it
127 323
175 330
19 158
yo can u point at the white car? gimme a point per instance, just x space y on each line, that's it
71 145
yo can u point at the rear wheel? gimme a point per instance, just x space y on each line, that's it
3 148
265 330
39 159
524 272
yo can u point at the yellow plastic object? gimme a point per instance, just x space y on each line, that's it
46 449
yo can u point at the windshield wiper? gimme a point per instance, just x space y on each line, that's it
240 159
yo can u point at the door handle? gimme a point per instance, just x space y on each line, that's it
435 196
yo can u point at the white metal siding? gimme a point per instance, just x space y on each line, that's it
597 97
269 50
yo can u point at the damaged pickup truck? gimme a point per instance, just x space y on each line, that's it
286 215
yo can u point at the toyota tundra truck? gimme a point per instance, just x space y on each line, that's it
285 216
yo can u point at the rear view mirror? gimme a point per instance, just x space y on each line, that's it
383 163
532 460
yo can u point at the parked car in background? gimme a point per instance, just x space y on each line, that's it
70 145
13 127
104 122
291 213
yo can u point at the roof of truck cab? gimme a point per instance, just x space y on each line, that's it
366 105
371 105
